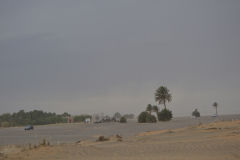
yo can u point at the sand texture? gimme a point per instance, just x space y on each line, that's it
214 141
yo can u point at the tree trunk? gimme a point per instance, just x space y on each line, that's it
216 111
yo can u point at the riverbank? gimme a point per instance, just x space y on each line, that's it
70 133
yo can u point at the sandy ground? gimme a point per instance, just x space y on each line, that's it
218 140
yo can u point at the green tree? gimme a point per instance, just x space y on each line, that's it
142 117
146 117
162 96
155 109
165 115
33 117
149 108
215 105
151 118
66 114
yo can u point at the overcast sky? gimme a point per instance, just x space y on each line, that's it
106 56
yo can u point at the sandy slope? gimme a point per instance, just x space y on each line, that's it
218 141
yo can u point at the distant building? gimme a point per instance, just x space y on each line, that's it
88 120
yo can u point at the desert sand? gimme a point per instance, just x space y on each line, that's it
213 141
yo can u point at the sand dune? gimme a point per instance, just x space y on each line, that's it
219 140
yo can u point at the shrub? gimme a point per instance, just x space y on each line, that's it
196 113
151 118
164 115
123 120
142 117
102 138
146 117
44 142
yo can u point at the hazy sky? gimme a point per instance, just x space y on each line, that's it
96 56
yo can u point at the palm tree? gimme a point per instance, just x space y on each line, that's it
149 108
155 109
162 96
215 105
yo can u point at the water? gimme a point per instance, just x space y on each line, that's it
68 133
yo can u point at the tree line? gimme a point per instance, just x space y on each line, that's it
38 117
35 117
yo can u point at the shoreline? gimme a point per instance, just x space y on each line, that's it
70 133
174 118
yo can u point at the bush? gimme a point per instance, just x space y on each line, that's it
123 120
142 117
146 117
164 115
195 113
151 119
102 138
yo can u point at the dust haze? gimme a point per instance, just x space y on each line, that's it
109 56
